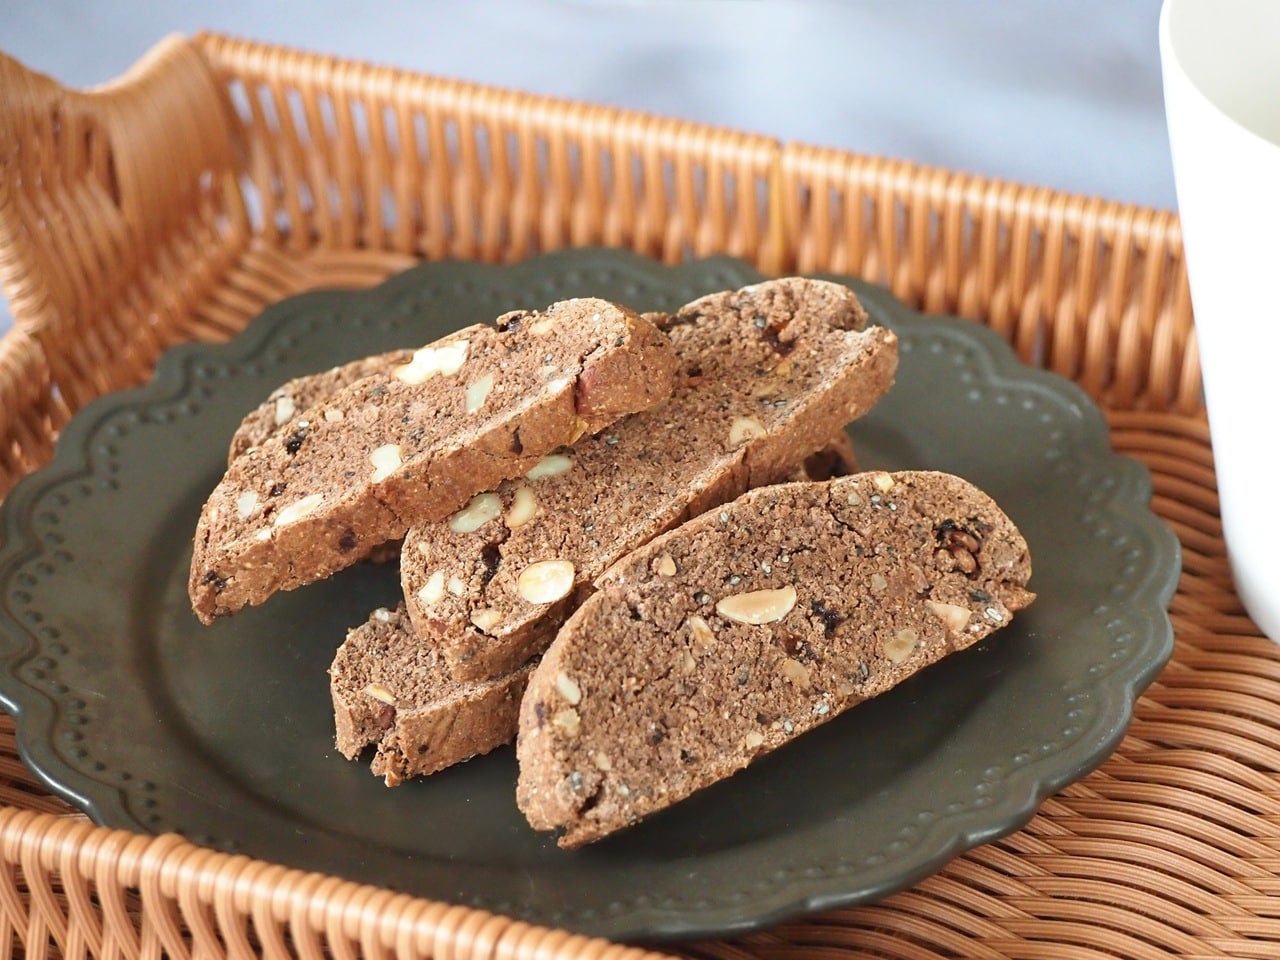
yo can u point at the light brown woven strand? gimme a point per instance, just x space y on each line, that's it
130 193
1092 290
30 414
199 903
118 210
479 173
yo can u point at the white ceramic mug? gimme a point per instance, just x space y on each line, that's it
1221 65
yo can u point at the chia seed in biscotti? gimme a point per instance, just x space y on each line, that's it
389 689
394 691
413 445
745 627
766 375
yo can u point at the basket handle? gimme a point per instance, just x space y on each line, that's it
93 184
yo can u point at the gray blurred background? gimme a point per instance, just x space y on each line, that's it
1062 93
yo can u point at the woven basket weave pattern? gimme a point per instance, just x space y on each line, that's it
220 176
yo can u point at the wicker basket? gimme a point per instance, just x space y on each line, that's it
220 176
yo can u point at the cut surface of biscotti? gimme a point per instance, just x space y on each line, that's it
746 627
413 444
392 690
836 459
765 376
294 397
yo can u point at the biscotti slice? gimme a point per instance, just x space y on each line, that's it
414 444
393 691
746 627
766 375
294 397
836 459
390 689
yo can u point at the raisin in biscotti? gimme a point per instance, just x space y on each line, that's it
746 627
766 375
413 444
836 459
392 690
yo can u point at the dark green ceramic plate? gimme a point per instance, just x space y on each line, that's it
148 721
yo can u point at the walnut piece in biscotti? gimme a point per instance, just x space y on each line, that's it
415 443
742 629
766 375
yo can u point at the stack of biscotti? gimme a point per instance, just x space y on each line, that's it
765 376
414 442
740 630
619 547
392 690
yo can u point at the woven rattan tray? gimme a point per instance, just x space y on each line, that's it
220 176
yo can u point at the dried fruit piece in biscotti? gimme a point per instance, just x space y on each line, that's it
392 690
766 375
785 608
414 444
836 459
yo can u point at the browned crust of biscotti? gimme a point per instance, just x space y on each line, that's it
766 376
389 451
655 687
390 691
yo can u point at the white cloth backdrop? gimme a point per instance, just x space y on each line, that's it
1064 93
